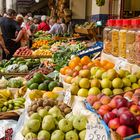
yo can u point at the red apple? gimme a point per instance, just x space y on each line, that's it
122 110
127 118
124 131
117 97
121 102
105 100
139 129
128 95
109 116
129 104
138 119
135 110
75 73
99 96
137 92
85 67
114 123
91 99
112 103
97 105
104 109
136 99
115 111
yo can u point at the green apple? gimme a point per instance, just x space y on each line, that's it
79 122
117 91
94 91
25 131
135 86
33 125
107 91
74 88
121 73
48 123
104 75
71 135
43 112
82 135
93 70
111 74
83 92
106 83
126 82
132 78
84 83
117 83
30 136
127 89
65 125
43 134
99 73
36 116
57 135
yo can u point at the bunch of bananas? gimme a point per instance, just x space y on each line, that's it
12 104
21 92
5 94
100 2
35 94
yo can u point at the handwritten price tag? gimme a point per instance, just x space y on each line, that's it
121 63
2 132
67 98
95 132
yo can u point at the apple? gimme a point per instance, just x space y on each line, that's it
78 68
84 73
94 91
115 111
30 136
71 135
65 125
117 91
93 70
111 74
117 83
85 67
128 95
99 73
43 112
79 122
75 73
137 92
76 80
68 79
127 89
91 99
135 86
43 134
126 82
114 123
97 105
132 78
107 91
105 83
138 82
105 100
136 99
121 73
121 102
127 118
122 110
84 83
100 95
83 92
74 88
139 129
138 119
36 116
104 75
124 131
109 116
137 74
135 109
82 135
104 109
57 135
95 83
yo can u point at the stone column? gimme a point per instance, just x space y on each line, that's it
9 4
15 5
1 6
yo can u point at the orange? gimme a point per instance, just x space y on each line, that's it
97 63
62 71
104 62
76 59
85 60
90 64
72 64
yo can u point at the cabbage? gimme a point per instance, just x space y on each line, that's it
15 83
3 82
23 68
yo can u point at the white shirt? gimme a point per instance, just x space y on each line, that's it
56 29
64 27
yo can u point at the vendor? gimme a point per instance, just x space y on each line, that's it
56 28
9 28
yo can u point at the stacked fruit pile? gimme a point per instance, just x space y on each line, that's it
39 43
42 82
39 105
24 52
52 125
42 53
121 115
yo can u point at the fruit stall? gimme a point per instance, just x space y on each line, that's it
63 89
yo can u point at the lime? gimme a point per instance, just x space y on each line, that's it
4 109
34 86
43 86
52 85
30 82
48 78
38 78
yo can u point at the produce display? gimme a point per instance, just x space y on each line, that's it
121 115
42 53
50 124
24 52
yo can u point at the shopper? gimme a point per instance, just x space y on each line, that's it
19 19
56 28
43 25
9 27
64 26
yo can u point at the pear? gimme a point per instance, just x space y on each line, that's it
57 135
44 135
71 135
30 136
43 112
35 116
25 130
82 135
55 111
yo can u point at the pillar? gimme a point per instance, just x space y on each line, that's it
1 6
14 5
9 4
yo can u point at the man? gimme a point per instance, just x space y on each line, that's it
9 28
56 28
43 25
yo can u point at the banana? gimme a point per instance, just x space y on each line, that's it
22 91
18 102
2 96
21 99
6 93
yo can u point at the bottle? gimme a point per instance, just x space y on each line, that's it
115 37
137 43
130 41
122 37
107 34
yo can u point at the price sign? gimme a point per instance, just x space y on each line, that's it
95 131
121 63
67 98
2 132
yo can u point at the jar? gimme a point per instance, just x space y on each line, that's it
130 41
115 37
107 36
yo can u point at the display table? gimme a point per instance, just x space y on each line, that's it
120 63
